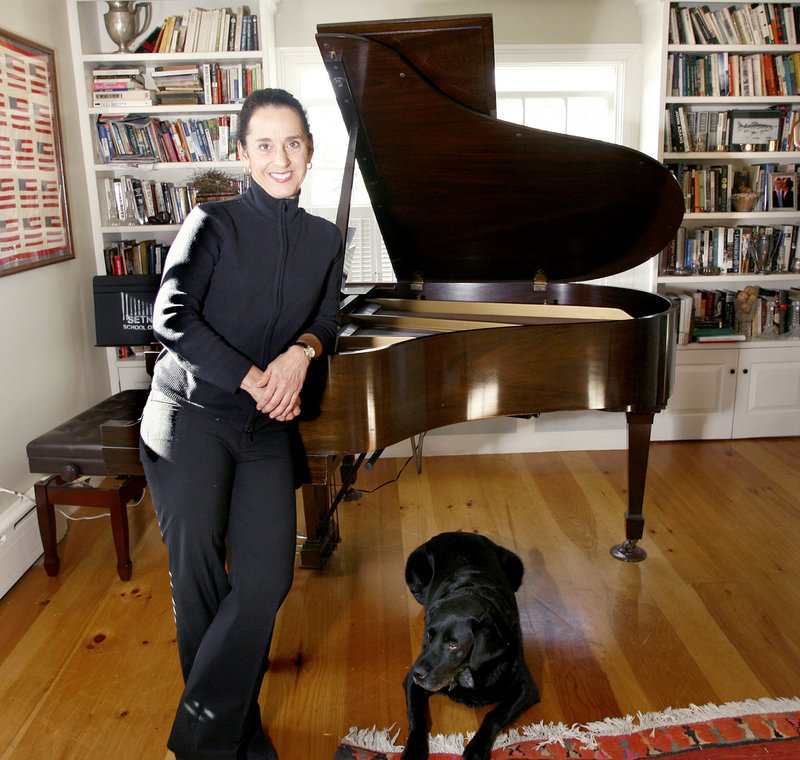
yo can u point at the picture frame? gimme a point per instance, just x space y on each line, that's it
783 191
754 130
34 212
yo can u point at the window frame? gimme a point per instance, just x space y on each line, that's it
626 58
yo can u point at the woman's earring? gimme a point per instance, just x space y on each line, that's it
246 170
309 165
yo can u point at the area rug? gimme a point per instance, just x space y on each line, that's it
764 728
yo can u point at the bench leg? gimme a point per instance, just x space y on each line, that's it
51 491
119 527
46 514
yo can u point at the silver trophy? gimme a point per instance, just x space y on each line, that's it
122 20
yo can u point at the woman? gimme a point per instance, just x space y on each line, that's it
249 297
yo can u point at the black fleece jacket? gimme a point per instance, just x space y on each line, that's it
242 280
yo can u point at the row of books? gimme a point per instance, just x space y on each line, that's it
149 140
730 74
209 83
723 316
711 188
133 200
687 130
135 257
205 31
745 249
754 24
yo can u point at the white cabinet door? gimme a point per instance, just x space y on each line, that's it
701 405
768 392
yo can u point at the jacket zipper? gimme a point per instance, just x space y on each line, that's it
277 298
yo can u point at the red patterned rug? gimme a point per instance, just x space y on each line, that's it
765 728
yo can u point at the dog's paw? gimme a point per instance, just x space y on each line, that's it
477 750
416 749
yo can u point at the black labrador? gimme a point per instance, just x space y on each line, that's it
472 645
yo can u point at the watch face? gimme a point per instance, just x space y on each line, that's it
307 350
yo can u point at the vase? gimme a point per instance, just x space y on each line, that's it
122 22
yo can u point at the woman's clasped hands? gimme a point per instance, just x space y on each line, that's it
276 390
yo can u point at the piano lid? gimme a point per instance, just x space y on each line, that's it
460 195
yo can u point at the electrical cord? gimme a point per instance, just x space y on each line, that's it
83 484
21 495
388 482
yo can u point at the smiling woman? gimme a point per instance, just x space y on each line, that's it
277 147
248 298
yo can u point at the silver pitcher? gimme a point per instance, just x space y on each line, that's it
122 20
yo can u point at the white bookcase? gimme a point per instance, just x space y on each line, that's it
750 388
92 48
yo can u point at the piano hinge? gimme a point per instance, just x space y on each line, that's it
540 281
417 284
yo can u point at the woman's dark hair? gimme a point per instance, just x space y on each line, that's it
270 96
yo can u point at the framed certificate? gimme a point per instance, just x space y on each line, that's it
34 217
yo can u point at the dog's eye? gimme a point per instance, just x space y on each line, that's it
452 645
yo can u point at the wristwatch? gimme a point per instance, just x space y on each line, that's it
307 350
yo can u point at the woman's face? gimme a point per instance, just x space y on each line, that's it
277 150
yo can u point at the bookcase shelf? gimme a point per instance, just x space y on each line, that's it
93 49
746 388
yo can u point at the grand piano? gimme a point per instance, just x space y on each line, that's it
487 224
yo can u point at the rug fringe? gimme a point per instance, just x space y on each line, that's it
557 733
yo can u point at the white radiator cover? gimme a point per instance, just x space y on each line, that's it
20 541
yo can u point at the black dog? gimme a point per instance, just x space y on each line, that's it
472 645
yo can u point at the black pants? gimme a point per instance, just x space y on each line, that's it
210 483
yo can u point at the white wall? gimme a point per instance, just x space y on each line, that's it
518 22
50 367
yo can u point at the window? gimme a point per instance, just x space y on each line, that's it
582 90
588 91
574 99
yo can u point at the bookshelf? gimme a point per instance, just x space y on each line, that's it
127 181
730 132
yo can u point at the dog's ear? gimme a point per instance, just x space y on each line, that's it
512 566
419 572
488 642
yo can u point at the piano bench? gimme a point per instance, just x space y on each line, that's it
76 448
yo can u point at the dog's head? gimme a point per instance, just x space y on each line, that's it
421 565
460 636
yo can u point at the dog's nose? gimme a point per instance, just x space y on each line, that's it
419 674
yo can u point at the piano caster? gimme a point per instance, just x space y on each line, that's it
628 551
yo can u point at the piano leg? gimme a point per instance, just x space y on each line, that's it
639 425
322 529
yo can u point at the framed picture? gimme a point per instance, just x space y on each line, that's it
783 191
754 130
34 216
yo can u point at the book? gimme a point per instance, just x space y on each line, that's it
127 98
730 338
173 71
149 43
117 84
117 72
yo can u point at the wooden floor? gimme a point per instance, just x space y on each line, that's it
88 664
